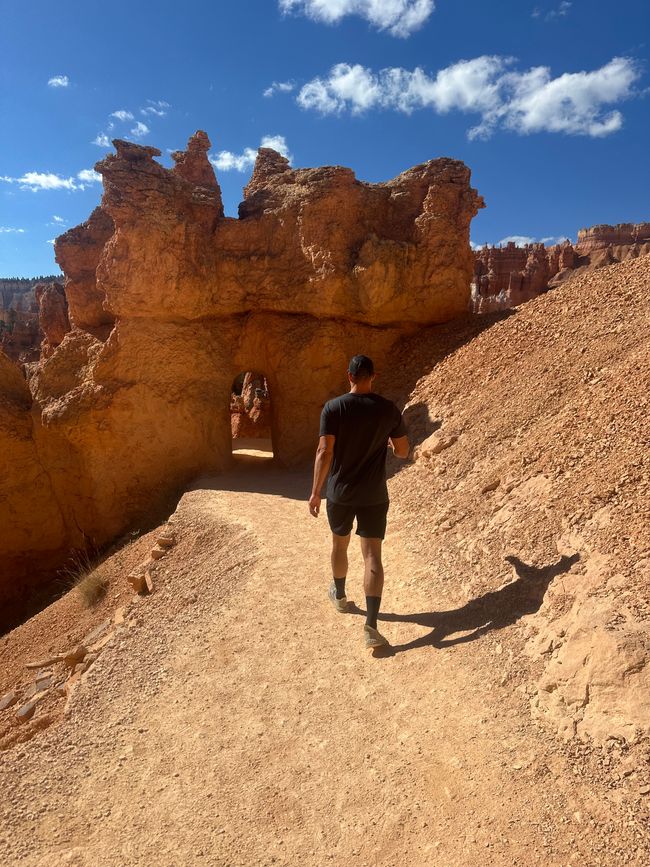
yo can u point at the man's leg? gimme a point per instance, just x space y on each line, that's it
340 562
373 578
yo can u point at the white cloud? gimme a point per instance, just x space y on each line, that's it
158 107
88 176
51 241
57 219
552 240
59 81
139 129
102 140
523 102
37 181
560 12
397 17
280 87
122 114
7 230
519 240
227 161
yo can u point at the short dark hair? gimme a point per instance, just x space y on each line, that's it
361 367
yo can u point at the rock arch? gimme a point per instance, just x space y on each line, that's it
168 300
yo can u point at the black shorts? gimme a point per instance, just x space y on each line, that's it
371 520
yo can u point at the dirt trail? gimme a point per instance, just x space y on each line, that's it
247 724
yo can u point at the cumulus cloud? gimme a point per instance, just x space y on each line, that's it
397 17
58 81
10 230
227 161
88 176
57 219
520 101
139 129
279 87
158 107
102 140
38 181
122 114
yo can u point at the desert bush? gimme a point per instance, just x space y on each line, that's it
89 580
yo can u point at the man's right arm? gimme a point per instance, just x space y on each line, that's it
400 446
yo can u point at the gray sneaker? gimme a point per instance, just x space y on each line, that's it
373 638
340 604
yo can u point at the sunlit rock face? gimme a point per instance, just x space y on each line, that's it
507 276
169 300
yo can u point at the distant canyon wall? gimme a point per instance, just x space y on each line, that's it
507 276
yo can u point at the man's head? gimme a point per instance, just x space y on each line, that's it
361 370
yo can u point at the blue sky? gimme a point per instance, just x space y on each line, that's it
545 101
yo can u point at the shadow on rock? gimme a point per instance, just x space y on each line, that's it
493 610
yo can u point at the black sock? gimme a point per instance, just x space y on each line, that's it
340 587
372 606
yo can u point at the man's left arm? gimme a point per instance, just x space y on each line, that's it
322 464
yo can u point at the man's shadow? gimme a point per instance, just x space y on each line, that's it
493 610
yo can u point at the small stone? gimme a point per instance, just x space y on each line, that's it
137 581
644 790
167 540
491 486
96 633
44 683
26 711
75 656
88 661
8 699
157 553
44 663
149 581
118 616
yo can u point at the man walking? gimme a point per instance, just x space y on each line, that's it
355 430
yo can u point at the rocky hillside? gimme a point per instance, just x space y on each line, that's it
532 451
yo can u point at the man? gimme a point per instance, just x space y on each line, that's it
355 430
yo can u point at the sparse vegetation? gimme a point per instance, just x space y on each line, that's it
87 578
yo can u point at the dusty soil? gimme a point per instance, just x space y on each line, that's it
235 718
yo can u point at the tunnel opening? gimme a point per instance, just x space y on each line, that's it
251 416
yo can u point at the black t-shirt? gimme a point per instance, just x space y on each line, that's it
362 424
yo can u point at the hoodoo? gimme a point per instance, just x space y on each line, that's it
169 300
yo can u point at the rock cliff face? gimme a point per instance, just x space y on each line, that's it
621 235
169 300
19 334
251 410
20 323
507 276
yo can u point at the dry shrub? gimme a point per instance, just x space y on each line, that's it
89 580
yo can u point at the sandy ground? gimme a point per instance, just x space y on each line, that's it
236 719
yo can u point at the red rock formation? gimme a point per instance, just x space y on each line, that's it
251 410
169 300
507 276
33 534
621 235
19 334
52 315
78 252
